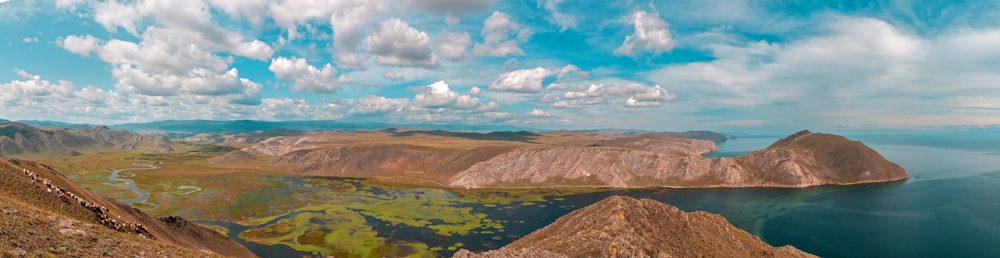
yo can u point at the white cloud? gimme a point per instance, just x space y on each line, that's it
453 45
539 113
638 95
34 97
527 80
651 35
349 24
440 95
393 76
30 40
158 67
377 104
181 22
474 91
857 72
200 82
305 77
501 36
81 45
397 44
564 21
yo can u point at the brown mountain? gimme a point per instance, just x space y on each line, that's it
568 159
626 227
800 160
78 216
20 139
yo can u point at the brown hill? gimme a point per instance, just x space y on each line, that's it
807 158
800 160
569 159
49 192
626 227
22 139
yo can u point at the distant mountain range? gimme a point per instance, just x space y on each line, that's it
23 139
186 128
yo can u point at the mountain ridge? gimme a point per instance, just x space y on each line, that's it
23 139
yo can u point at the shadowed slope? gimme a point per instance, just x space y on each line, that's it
626 227
42 187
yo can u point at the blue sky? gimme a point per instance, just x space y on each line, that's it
552 64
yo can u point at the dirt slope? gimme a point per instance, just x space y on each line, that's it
46 190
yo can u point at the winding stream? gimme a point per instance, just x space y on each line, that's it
130 184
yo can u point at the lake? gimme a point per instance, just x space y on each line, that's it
950 207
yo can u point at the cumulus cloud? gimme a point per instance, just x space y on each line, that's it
527 80
638 95
158 67
564 21
397 44
539 113
35 97
81 45
182 23
453 45
474 91
349 24
305 77
30 40
651 35
501 37
440 95
377 104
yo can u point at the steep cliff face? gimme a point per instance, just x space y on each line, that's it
626 227
47 191
803 159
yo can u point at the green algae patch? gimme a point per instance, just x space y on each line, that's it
337 217
336 231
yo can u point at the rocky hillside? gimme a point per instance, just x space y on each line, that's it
69 209
626 227
800 160
21 139
567 159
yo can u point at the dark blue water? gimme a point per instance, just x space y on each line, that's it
949 208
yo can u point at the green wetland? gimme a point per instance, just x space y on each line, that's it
947 209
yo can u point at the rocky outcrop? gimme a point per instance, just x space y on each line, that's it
626 227
800 160
46 189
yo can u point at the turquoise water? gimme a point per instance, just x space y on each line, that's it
949 208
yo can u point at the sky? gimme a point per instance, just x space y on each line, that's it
549 64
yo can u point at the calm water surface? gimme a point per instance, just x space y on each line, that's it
949 208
